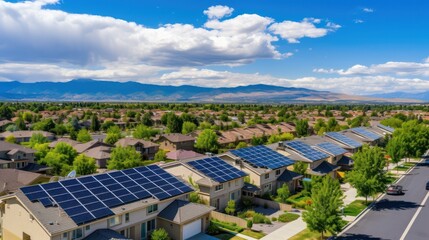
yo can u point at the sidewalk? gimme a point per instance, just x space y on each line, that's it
287 231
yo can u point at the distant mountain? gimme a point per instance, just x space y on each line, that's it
92 90
422 96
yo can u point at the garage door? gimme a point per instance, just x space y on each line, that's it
192 229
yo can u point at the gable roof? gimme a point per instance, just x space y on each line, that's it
25 134
123 142
105 234
183 154
82 147
69 141
180 211
5 146
175 137
13 179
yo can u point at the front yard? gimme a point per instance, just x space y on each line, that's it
306 234
227 236
356 207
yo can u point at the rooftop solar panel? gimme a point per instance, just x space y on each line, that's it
217 169
306 151
89 198
343 139
262 156
387 128
331 148
366 133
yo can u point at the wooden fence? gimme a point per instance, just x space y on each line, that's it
271 204
228 218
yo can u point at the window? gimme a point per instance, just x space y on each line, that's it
236 182
88 227
232 196
77 233
277 172
151 225
127 217
219 187
229 184
152 208
65 236
116 220
267 176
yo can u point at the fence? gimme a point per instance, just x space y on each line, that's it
271 204
228 218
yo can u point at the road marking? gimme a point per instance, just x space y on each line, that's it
414 217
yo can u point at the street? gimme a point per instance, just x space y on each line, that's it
397 217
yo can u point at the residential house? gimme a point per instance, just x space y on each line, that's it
147 149
127 204
15 156
100 151
12 179
183 155
363 135
267 169
351 144
24 136
175 141
218 182
69 141
4 124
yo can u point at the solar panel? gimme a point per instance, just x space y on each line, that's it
331 148
217 169
89 198
387 128
343 139
365 133
306 151
262 156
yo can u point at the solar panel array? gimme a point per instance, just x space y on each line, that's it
331 148
262 156
387 128
217 169
366 133
89 198
343 139
306 151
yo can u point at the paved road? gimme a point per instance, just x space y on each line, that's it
391 216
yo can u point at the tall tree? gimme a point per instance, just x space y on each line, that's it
113 135
395 149
323 215
300 167
123 158
283 193
301 127
174 123
37 138
367 175
95 123
144 132
207 141
5 112
67 150
84 165
20 124
83 136
188 127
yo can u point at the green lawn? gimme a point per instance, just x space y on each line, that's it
299 200
228 236
355 207
309 235
253 234
288 217
390 179
402 167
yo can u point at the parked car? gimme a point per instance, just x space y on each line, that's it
427 186
394 190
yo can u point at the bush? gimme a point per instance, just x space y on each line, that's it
249 224
267 221
213 229
230 226
288 217
160 234
246 202
273 219
259 218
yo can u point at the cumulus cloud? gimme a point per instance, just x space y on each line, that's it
368 10
388 68
218 11
358 21
292 31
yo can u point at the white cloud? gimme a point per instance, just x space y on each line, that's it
368 10
218 12
292 31
358 21
388 68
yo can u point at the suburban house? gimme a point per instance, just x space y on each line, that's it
183 155
217 181
175 141
12 179
127 204
363 135
100 151
4 124
381 129
15 156
350 144
267 169
317 160
24 136
147 149
69 141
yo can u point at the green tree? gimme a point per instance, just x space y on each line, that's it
300 167
392 122
67 150
323 215
123 158
241 117
174 123
10 139
207 141
367 175
161 155
395 149
301 127
144 132
107 124
147 119
84 165
113 135
332 125
159 234
230 208
95 123
188 127
6 112
283 193
241 145
37 138
44 125
41 150
20 124
56 161
83 136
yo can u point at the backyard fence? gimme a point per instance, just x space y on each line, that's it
271 204
228 218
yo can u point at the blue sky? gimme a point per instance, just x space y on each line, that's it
353 46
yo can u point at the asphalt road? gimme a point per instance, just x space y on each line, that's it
393 215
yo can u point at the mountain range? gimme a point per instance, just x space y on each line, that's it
96 90
422 96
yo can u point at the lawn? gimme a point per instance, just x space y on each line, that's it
402 167
355 207
299 200
288 217
309 235
253 234
228 236
390 178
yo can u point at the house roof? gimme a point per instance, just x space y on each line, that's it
288 176
69 141
123 142
5 122
323 168
180 211
34 167
105 234
250 187
82 147
13 179
100 152
5 146
345 161
183 154
25 134
176 137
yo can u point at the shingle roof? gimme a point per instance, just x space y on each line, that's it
183 154
12 179
288 176
5 146
324 168
133 141
69 141
26 134
105 234
100 152
176 137
180 211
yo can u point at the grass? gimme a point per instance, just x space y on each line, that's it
355 207
253 234
299 200
306 234
390 179
288 217
228 236
402 168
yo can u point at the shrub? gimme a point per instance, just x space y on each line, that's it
267 221
160 234
273 219
259 218
249 224
213 229
230 226
288 217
